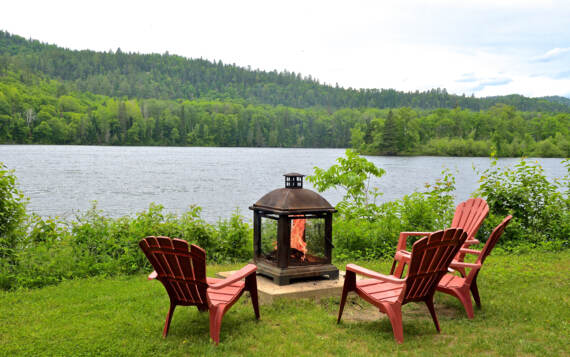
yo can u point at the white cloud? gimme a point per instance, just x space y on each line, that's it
552 54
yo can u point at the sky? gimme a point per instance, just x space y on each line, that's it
480 47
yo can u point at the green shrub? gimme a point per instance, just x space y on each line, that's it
540 209
53 250
198 231
12 216
234 240
12 213
352 174
366 230
42 256
357 238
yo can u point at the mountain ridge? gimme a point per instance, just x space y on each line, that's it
167 76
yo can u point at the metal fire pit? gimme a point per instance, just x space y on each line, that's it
296 211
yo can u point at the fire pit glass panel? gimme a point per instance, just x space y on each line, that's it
268 238
315 238
307 241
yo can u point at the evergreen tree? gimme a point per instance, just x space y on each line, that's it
390 135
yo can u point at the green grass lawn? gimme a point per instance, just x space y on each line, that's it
526 311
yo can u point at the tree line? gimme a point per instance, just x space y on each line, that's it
42 111
461 132
165 76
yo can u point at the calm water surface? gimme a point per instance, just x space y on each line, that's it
64 180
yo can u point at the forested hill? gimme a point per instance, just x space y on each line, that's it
164 76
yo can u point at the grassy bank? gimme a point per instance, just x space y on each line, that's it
526 311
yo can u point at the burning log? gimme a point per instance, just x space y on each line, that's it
297 237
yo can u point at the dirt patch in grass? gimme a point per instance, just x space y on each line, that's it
358 310
418 310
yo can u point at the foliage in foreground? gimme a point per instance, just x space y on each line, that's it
541 209
12 213
365 229
42 251
93 244
525 312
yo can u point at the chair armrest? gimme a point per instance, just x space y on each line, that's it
470 242
152 275
238 275
456 264
372 274
404 236
470 251
403 256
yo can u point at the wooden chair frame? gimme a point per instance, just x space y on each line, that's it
182 271
430 259
460 287
469 216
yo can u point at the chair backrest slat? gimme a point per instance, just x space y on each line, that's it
469 216
199 267
493 239
181 271
488 247
429 261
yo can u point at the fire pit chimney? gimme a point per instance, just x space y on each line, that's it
294 180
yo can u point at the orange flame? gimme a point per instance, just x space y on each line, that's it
297 241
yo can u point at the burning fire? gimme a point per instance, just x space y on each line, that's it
297 241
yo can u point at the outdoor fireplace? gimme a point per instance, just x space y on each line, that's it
292 233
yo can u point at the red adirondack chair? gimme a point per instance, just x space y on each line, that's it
183 274
469 216
459 286
430 260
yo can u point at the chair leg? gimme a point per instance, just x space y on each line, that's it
216 314
465 298
168 319
399 269
394 313
475 292
349 285
429 303
251 286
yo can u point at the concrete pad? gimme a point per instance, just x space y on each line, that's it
309 289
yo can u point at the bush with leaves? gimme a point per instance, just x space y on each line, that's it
12 216
234 240
12 212
541 209
364 229
51 250
352 174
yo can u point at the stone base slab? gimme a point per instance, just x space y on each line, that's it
310 289
285 276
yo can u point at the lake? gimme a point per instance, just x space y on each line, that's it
64 180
